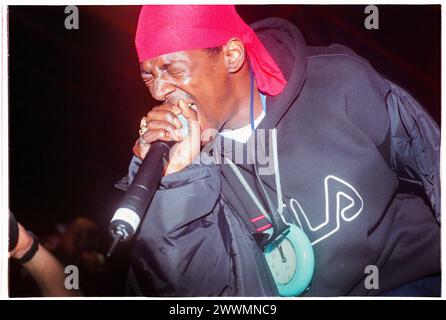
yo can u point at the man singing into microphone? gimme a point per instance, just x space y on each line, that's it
336 143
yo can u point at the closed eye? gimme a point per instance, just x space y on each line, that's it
146 76
174 68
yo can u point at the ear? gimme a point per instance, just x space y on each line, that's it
234 55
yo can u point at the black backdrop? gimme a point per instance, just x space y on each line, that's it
76 97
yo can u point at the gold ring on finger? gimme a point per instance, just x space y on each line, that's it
143 123
142 131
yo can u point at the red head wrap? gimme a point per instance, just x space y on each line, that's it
170 28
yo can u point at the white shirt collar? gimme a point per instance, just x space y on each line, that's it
242 134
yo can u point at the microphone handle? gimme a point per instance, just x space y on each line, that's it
147 179
133 206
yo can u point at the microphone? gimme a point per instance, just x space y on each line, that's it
133 206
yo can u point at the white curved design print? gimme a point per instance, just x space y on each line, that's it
333 194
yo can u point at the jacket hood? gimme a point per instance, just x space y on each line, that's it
287 46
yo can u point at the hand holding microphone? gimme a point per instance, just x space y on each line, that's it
164 123
160 138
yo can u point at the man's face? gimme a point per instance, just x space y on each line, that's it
196 76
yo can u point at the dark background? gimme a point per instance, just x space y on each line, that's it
76 97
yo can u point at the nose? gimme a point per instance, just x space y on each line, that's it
161 88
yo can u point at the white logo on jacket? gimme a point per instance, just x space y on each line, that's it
336 190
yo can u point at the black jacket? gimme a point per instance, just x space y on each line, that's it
348 141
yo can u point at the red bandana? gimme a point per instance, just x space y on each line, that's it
170 28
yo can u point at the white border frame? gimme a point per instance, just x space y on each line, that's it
4 128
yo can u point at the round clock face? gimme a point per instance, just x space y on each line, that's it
282 261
